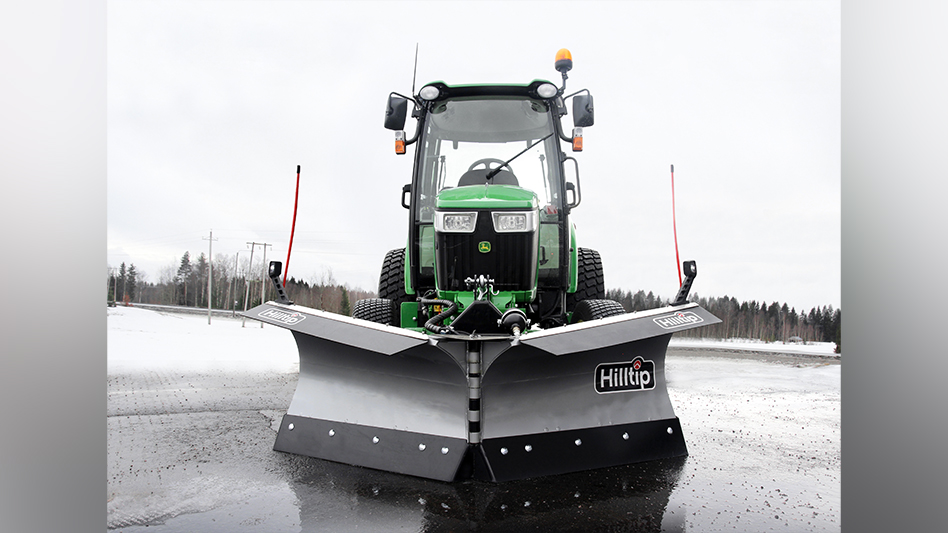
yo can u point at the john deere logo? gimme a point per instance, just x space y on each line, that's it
483 247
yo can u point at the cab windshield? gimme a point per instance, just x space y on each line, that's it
464 139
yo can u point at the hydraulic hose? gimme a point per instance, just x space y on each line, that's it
434 323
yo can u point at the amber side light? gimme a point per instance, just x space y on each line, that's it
400 142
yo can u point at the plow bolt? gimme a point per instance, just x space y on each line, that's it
332 432
375 440
444 451
578 442
625 436
503 451
528 448
421 447
290 427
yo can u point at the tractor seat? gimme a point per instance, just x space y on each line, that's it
479 177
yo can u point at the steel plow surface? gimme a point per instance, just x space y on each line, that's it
498 408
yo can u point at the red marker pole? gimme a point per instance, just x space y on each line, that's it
293 228
675 226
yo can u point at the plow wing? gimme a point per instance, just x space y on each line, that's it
493 407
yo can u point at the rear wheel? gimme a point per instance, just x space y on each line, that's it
379 310
590 282
594 309
392 279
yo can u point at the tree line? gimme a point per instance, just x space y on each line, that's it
238 283
749 320
234 285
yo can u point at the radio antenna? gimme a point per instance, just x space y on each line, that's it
675 227
415 72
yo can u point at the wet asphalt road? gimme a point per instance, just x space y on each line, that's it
193 452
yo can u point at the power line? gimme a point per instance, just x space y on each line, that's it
210 272
253 245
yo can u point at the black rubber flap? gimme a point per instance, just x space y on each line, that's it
405 452
560 452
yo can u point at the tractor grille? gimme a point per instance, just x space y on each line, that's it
511 261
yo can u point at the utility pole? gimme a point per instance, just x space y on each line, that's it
210 272
263 281
243 322
233 283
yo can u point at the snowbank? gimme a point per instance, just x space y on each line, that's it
826 349
143 339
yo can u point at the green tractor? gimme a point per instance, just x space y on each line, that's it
491 248
491 351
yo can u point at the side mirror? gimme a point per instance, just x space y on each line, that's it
583 115
395 112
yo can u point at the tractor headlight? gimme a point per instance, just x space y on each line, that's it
453 222
429 92
547 90
514 222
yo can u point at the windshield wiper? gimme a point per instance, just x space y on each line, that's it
494 172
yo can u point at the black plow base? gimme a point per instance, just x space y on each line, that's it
496 459
404 452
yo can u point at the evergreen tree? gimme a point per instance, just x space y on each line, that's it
826 325
200 281
131 284
120 282
111 286
185 273
638 301
838 330
345 310
784 322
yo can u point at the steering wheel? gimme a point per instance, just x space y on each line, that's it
487 161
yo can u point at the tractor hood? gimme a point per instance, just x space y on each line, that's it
487 197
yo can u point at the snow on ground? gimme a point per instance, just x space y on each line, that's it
812 348
143 339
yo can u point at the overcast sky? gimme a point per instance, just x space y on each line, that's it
211 105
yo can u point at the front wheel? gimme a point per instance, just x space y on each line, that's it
590 283
595 309
392 279
379 310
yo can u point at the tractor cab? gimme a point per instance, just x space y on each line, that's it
490 197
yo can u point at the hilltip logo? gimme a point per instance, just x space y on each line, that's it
678 320
285 317
637 374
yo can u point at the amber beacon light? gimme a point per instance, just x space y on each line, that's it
564 61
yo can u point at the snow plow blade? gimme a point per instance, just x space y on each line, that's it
491 407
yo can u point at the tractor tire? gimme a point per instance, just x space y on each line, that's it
379 310
392 279
590 282
594 309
